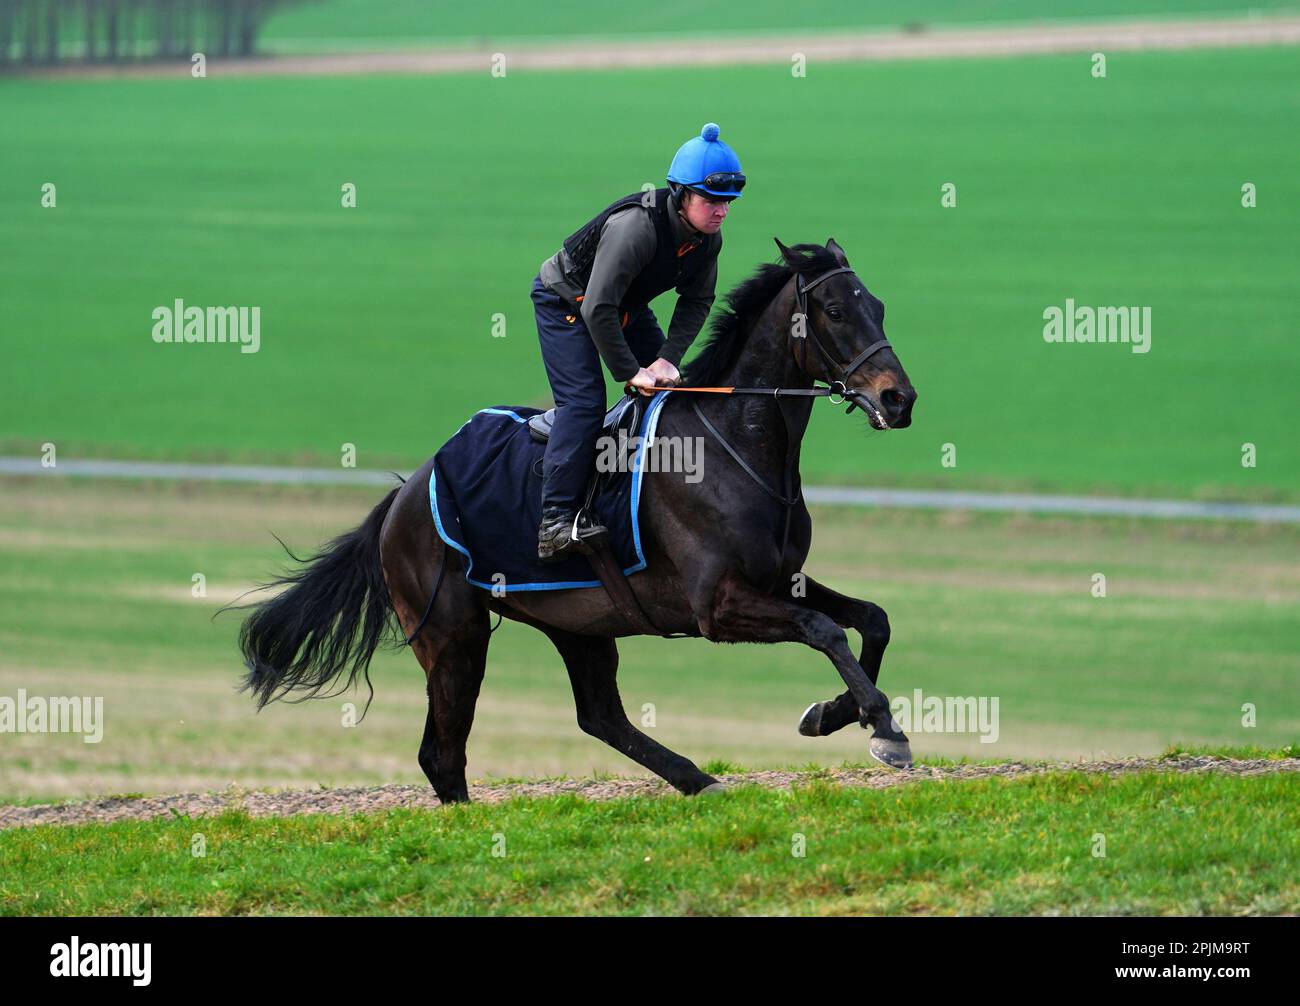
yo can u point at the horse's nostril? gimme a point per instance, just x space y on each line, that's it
893 401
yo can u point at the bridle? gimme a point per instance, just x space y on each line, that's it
829 366
838 384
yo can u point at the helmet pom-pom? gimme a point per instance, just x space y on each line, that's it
710 131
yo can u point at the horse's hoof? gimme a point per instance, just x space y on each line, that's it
810 723
713 787
891 754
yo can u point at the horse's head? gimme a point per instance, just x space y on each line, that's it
838 336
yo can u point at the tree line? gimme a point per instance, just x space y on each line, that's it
54 31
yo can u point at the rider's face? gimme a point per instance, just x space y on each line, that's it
703 213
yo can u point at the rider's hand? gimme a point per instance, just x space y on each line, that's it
644 381
665 373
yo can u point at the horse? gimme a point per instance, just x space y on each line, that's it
721 556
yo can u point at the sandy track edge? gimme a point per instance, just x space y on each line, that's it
965 42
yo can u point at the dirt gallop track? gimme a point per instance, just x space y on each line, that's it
601 54
368 800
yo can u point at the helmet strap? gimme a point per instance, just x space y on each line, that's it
681 214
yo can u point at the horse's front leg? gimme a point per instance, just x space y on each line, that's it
738 613
871 622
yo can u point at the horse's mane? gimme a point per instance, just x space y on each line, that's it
745 303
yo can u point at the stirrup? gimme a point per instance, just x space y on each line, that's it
570 537
595 536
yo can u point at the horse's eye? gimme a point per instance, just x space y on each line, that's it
833 314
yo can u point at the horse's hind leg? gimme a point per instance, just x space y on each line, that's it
453 666
452 641
592 663
452 648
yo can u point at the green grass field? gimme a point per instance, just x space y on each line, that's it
1179 845
376 322
1199 619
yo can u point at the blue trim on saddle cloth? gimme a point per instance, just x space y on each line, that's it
649 423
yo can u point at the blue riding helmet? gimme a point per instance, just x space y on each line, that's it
706 165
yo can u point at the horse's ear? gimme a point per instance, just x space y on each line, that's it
786 253
833 247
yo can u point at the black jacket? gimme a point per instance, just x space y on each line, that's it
606 269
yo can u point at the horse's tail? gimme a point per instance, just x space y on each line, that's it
331 618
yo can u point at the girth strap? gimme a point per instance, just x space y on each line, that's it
617 588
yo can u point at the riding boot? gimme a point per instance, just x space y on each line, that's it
555 536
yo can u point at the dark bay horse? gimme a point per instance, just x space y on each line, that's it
723 553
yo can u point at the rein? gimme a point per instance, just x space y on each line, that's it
837 386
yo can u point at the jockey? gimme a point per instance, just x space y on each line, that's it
592 301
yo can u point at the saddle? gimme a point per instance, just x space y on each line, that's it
625 415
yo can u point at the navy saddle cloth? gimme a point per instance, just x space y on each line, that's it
486 493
